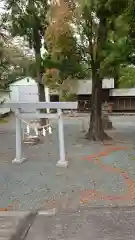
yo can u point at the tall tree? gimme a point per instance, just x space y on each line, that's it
98 20
28 19
62 42
95 23
65 61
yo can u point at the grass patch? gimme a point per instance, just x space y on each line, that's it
132 157
2 121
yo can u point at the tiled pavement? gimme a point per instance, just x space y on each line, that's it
117 223
14 224
85 223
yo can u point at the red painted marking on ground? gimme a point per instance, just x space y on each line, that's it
96 195
10 207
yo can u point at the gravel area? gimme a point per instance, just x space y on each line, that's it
39 184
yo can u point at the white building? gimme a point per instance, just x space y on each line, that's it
26 90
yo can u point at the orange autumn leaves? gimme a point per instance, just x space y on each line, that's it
59 34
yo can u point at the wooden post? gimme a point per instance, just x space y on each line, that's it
62 162
19 158
47 98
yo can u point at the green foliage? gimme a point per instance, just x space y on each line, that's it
67 96
106 12
2 120
52 78
25 17
13 63
117 50
127 77
130 18
62 45
28 19
102 29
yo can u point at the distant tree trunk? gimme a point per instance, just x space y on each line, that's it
41 92
116 77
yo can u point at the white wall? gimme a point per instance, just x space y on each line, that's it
122 92
14 93
84 87
26 90
28 93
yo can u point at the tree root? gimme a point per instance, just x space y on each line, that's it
101 136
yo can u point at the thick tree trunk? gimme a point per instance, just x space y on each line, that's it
96 131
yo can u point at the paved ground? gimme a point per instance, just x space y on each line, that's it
82 223
88 223
13 224
97 175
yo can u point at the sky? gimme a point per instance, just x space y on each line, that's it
1 6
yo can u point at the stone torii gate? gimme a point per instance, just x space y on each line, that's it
24 111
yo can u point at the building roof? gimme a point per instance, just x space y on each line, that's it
24 81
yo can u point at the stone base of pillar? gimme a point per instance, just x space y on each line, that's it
19 160
62 163
32 140
107 124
